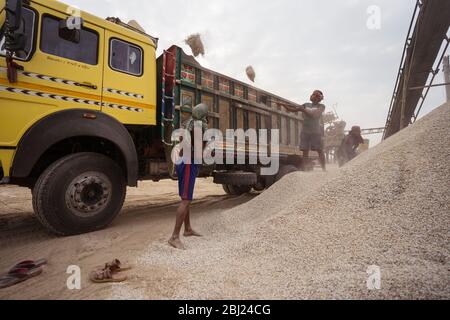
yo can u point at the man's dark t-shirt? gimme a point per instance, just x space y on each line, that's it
313 125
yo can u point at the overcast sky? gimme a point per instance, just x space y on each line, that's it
295 46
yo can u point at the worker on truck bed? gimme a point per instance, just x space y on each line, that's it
312 132
187 171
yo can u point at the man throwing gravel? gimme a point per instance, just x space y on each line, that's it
312 132
187 171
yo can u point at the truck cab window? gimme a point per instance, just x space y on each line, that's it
85 51
29 22
125 57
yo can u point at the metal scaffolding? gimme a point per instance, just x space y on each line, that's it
426 36
366 132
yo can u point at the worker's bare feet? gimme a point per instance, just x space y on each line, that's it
176 243
192 233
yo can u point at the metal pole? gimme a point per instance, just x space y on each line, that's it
447 76
404 93
403 108
430 86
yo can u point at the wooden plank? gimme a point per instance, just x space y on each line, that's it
224 111
266 123
274 120
209 101
293 133
284 131
252 119
240 118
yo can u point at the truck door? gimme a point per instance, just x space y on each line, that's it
129 84
79 62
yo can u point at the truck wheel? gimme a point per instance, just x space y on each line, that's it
240 190
285 170
79 193
236 190
236 178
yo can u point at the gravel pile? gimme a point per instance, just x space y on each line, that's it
314 235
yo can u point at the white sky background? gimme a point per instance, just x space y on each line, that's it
295 46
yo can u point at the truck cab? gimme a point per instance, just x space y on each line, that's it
79 86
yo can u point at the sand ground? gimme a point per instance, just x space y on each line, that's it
147 218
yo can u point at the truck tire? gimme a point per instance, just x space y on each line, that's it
236 178
285 170
239 190
236 190
79 193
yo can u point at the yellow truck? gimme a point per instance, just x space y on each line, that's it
87 109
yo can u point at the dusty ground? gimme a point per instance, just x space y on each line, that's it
147 218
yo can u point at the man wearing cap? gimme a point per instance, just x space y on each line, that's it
351 142
313 132
187 170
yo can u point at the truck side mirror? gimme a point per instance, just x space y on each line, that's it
16 42
14 14
15 38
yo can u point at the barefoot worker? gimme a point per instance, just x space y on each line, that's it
187 171
312 132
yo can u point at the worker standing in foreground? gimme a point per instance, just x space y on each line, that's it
187 171
351 142
312 133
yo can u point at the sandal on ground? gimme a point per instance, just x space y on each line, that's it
28 264
105 276
18 275
116 266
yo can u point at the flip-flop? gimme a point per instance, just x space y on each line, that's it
28 264
19 275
